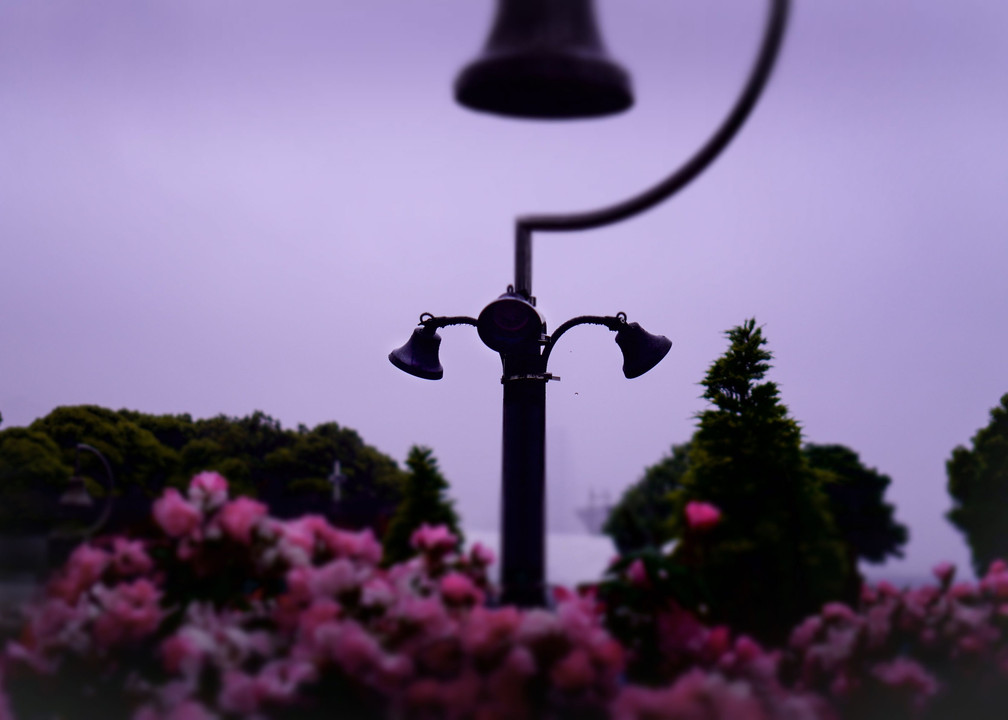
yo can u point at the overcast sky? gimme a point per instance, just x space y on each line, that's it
218 206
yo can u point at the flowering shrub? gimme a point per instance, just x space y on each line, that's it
935 651
229 613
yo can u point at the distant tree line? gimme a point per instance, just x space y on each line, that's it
288 469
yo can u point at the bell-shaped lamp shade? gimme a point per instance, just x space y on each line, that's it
641 350
510 324
544 59
419 356
76 494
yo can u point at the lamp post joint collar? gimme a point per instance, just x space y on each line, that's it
545 377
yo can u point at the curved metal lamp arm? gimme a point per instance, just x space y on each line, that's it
429 321
758 77
610 322
107 510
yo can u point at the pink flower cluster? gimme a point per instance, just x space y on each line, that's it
918 651
231 613
413 640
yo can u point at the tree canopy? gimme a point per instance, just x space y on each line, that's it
776 555
855 493
288 469
424 501
978 484
857 503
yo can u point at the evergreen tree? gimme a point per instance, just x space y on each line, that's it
978 484
775 557
424 501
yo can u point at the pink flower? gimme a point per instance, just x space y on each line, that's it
350 645
803 635
279 680
302 532
318 613
963 591
879 624
55 624
129 557
718 642
838 611
208 490
481 555
487 632
746 649
334 578
84 568
886 589
458 589
694 695
944 571
360 546
637 573
175 515
701 515
996 584
239 693
574 672
908 675
377 591
423 612
240 516
184 652
130 612
437 539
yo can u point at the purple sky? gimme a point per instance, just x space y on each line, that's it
217 206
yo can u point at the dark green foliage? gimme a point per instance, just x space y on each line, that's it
133 453
978 484
640 519
424 501
288 469
33 473
776 556
857 502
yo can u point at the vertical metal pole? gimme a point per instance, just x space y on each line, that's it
523 501
523 262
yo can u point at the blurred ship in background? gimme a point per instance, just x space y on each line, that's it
594 514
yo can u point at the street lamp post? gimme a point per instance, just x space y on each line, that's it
77 499
512 326
544 59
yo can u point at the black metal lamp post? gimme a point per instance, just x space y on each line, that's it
544 59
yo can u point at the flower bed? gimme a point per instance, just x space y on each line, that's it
230 613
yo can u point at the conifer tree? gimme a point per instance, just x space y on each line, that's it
424 501
775 556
